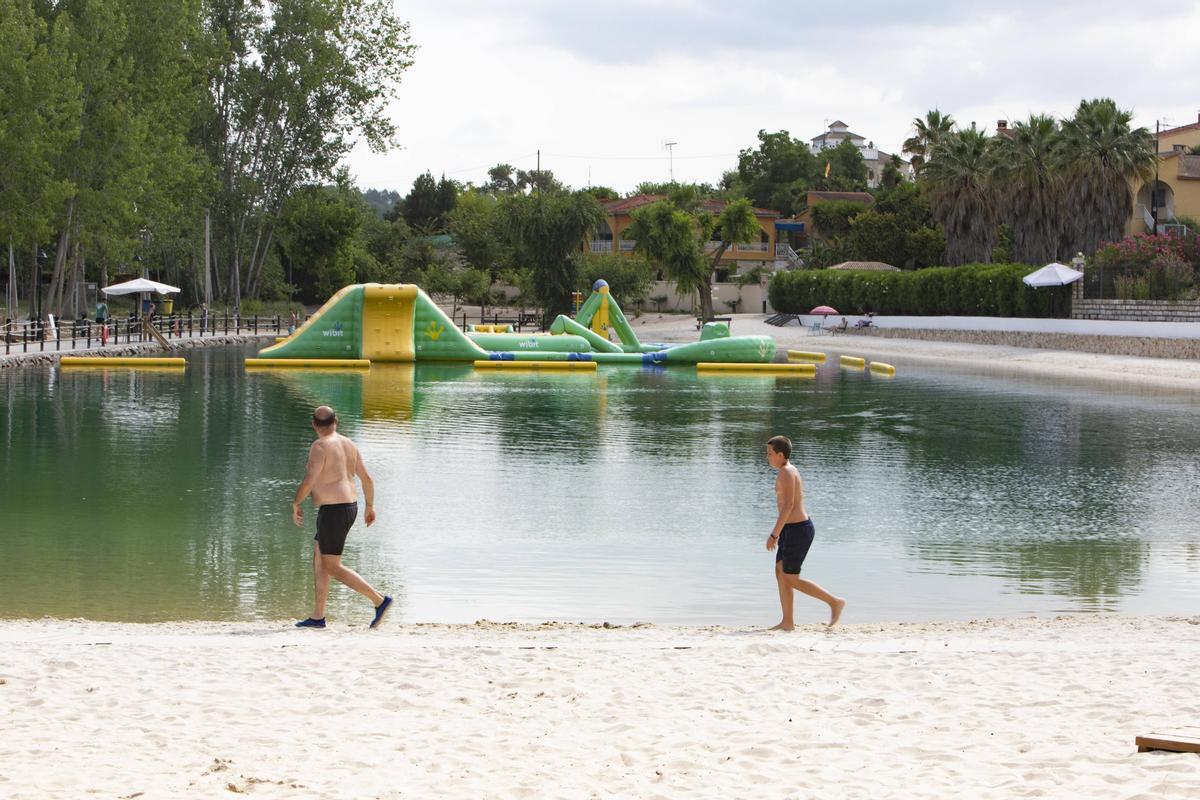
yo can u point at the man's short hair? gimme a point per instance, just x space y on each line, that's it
781 444
324 422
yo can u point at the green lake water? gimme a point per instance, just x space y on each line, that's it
627 495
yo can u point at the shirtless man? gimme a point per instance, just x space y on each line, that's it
793 532
333 461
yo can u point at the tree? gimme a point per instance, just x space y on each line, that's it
473 224
675 238
429 203
667 235
543 232
1100 154
291 87
847 169
736 224
1033 189
776 174
39 115
831 219
317 231
930 131
962 196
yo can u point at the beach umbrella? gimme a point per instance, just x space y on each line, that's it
824 311
139 285
1053 274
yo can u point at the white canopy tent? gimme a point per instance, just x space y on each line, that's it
1053 274
138 286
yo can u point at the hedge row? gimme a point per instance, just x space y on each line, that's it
985 290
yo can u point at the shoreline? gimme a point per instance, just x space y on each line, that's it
48 357
1042 707
1137 373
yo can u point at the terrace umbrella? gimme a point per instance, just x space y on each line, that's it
824 311
1053 274
140 286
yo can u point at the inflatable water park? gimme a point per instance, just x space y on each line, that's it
373 322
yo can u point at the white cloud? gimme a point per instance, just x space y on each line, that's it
600 88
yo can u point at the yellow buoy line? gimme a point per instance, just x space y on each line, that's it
537 365
309 363
805 355
119 361
880 368
782 369
853 362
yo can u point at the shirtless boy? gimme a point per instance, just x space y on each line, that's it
793 533
333 461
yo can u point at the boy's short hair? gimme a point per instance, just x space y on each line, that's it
781 444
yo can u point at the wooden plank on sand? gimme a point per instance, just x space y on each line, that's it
1183 740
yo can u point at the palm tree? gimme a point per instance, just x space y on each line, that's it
1033 200
962 198
667 235
1100 154
930 130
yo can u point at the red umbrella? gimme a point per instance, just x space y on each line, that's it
824 310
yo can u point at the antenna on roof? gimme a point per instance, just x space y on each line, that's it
671 157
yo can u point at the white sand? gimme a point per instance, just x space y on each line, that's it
995 709
1059 365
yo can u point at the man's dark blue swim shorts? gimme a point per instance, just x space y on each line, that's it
333 523
794 541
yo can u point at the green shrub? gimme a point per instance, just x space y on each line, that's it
991 290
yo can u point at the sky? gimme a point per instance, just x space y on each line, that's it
601 88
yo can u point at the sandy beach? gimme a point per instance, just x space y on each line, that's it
990 709
1132 372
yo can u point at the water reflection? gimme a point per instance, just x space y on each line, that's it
625 494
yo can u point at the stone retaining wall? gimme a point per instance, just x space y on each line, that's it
1136 310
1108 345
51 357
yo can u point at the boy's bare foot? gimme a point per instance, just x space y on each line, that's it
835 611
783 626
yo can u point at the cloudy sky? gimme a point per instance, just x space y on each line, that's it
600 88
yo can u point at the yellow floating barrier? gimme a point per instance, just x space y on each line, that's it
114 361
720 366
279 339
853 361
804 355
562 365
882 368
310 363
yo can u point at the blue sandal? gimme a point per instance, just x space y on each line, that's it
380 610
311 623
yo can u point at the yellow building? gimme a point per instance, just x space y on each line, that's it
805 216
1177 193
737 258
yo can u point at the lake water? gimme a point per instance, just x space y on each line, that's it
627 495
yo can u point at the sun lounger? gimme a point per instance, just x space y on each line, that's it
1182 740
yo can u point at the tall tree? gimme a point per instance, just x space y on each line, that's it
543 232
39 115
1100 153
929 132
776 174
295 83
1033 189
961 195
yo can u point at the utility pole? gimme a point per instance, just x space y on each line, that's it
671 158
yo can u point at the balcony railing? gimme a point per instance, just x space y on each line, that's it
601 245
627 245
754 247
